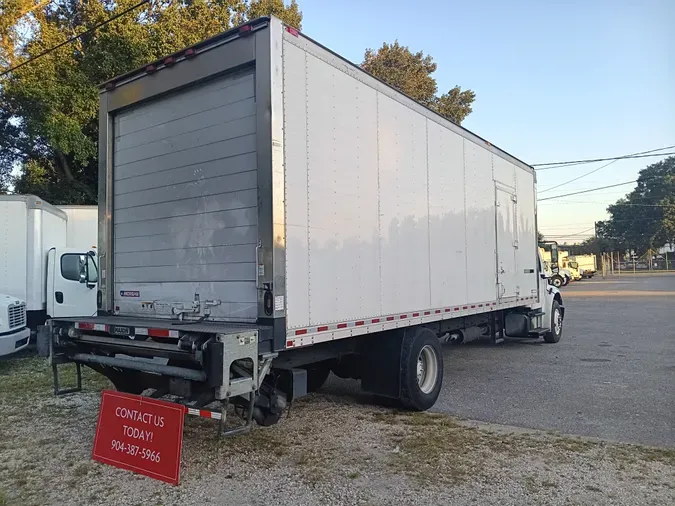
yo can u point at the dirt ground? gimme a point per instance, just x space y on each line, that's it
329 450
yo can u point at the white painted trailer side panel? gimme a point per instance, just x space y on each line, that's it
82 226
390 212
447 219
481 245
333 187
527 233
13 248
404 222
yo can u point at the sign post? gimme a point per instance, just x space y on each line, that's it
140 434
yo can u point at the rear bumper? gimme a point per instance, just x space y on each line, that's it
10 343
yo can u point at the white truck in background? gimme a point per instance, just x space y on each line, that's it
271 213
43 250
14 334
586 264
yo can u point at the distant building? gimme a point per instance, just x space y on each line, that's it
668 248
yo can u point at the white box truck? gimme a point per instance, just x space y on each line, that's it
270 213
41 250
586 264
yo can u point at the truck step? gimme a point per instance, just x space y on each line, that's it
60 360
538 332
533 314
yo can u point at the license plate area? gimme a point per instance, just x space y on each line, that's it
120 330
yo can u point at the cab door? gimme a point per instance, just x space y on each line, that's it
72 279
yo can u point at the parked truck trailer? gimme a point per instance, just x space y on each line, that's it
269 212
41 249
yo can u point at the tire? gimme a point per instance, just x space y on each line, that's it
554 335
567 281
557 281
317 374
421 371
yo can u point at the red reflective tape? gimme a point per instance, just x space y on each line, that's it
403 316
426 313
292 31
480 305
447 309
300 332
342 325
457 309
158 332
415 314
375 320
289 344
438 311
472 307
322 329
390 318
465 307
359 323
84 326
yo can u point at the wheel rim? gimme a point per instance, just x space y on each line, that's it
556 282
427 369
557 321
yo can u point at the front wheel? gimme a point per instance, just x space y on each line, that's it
421 373
554 335
557 281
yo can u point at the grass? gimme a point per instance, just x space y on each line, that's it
433 447
25 376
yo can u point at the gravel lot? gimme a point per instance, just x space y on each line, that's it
331 450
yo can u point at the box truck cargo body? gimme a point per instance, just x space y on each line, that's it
264 200
39 243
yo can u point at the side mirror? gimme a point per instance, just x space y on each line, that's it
83 274
91 269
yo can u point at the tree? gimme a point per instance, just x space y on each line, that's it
645 218
411 73
49 107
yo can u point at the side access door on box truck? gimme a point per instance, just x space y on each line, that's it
507 243
72 278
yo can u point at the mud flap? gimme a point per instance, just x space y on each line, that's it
383 355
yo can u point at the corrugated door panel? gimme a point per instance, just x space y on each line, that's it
185 201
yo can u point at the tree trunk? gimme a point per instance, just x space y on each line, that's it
64 166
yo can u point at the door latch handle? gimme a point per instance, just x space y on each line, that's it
59 297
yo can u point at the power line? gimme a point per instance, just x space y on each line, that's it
73 39
586 191
561 165
603 203
595 170
632 155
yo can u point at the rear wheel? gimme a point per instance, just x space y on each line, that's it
421 373
554 335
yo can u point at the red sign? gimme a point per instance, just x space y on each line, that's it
140 434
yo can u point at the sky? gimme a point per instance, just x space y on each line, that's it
554 81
